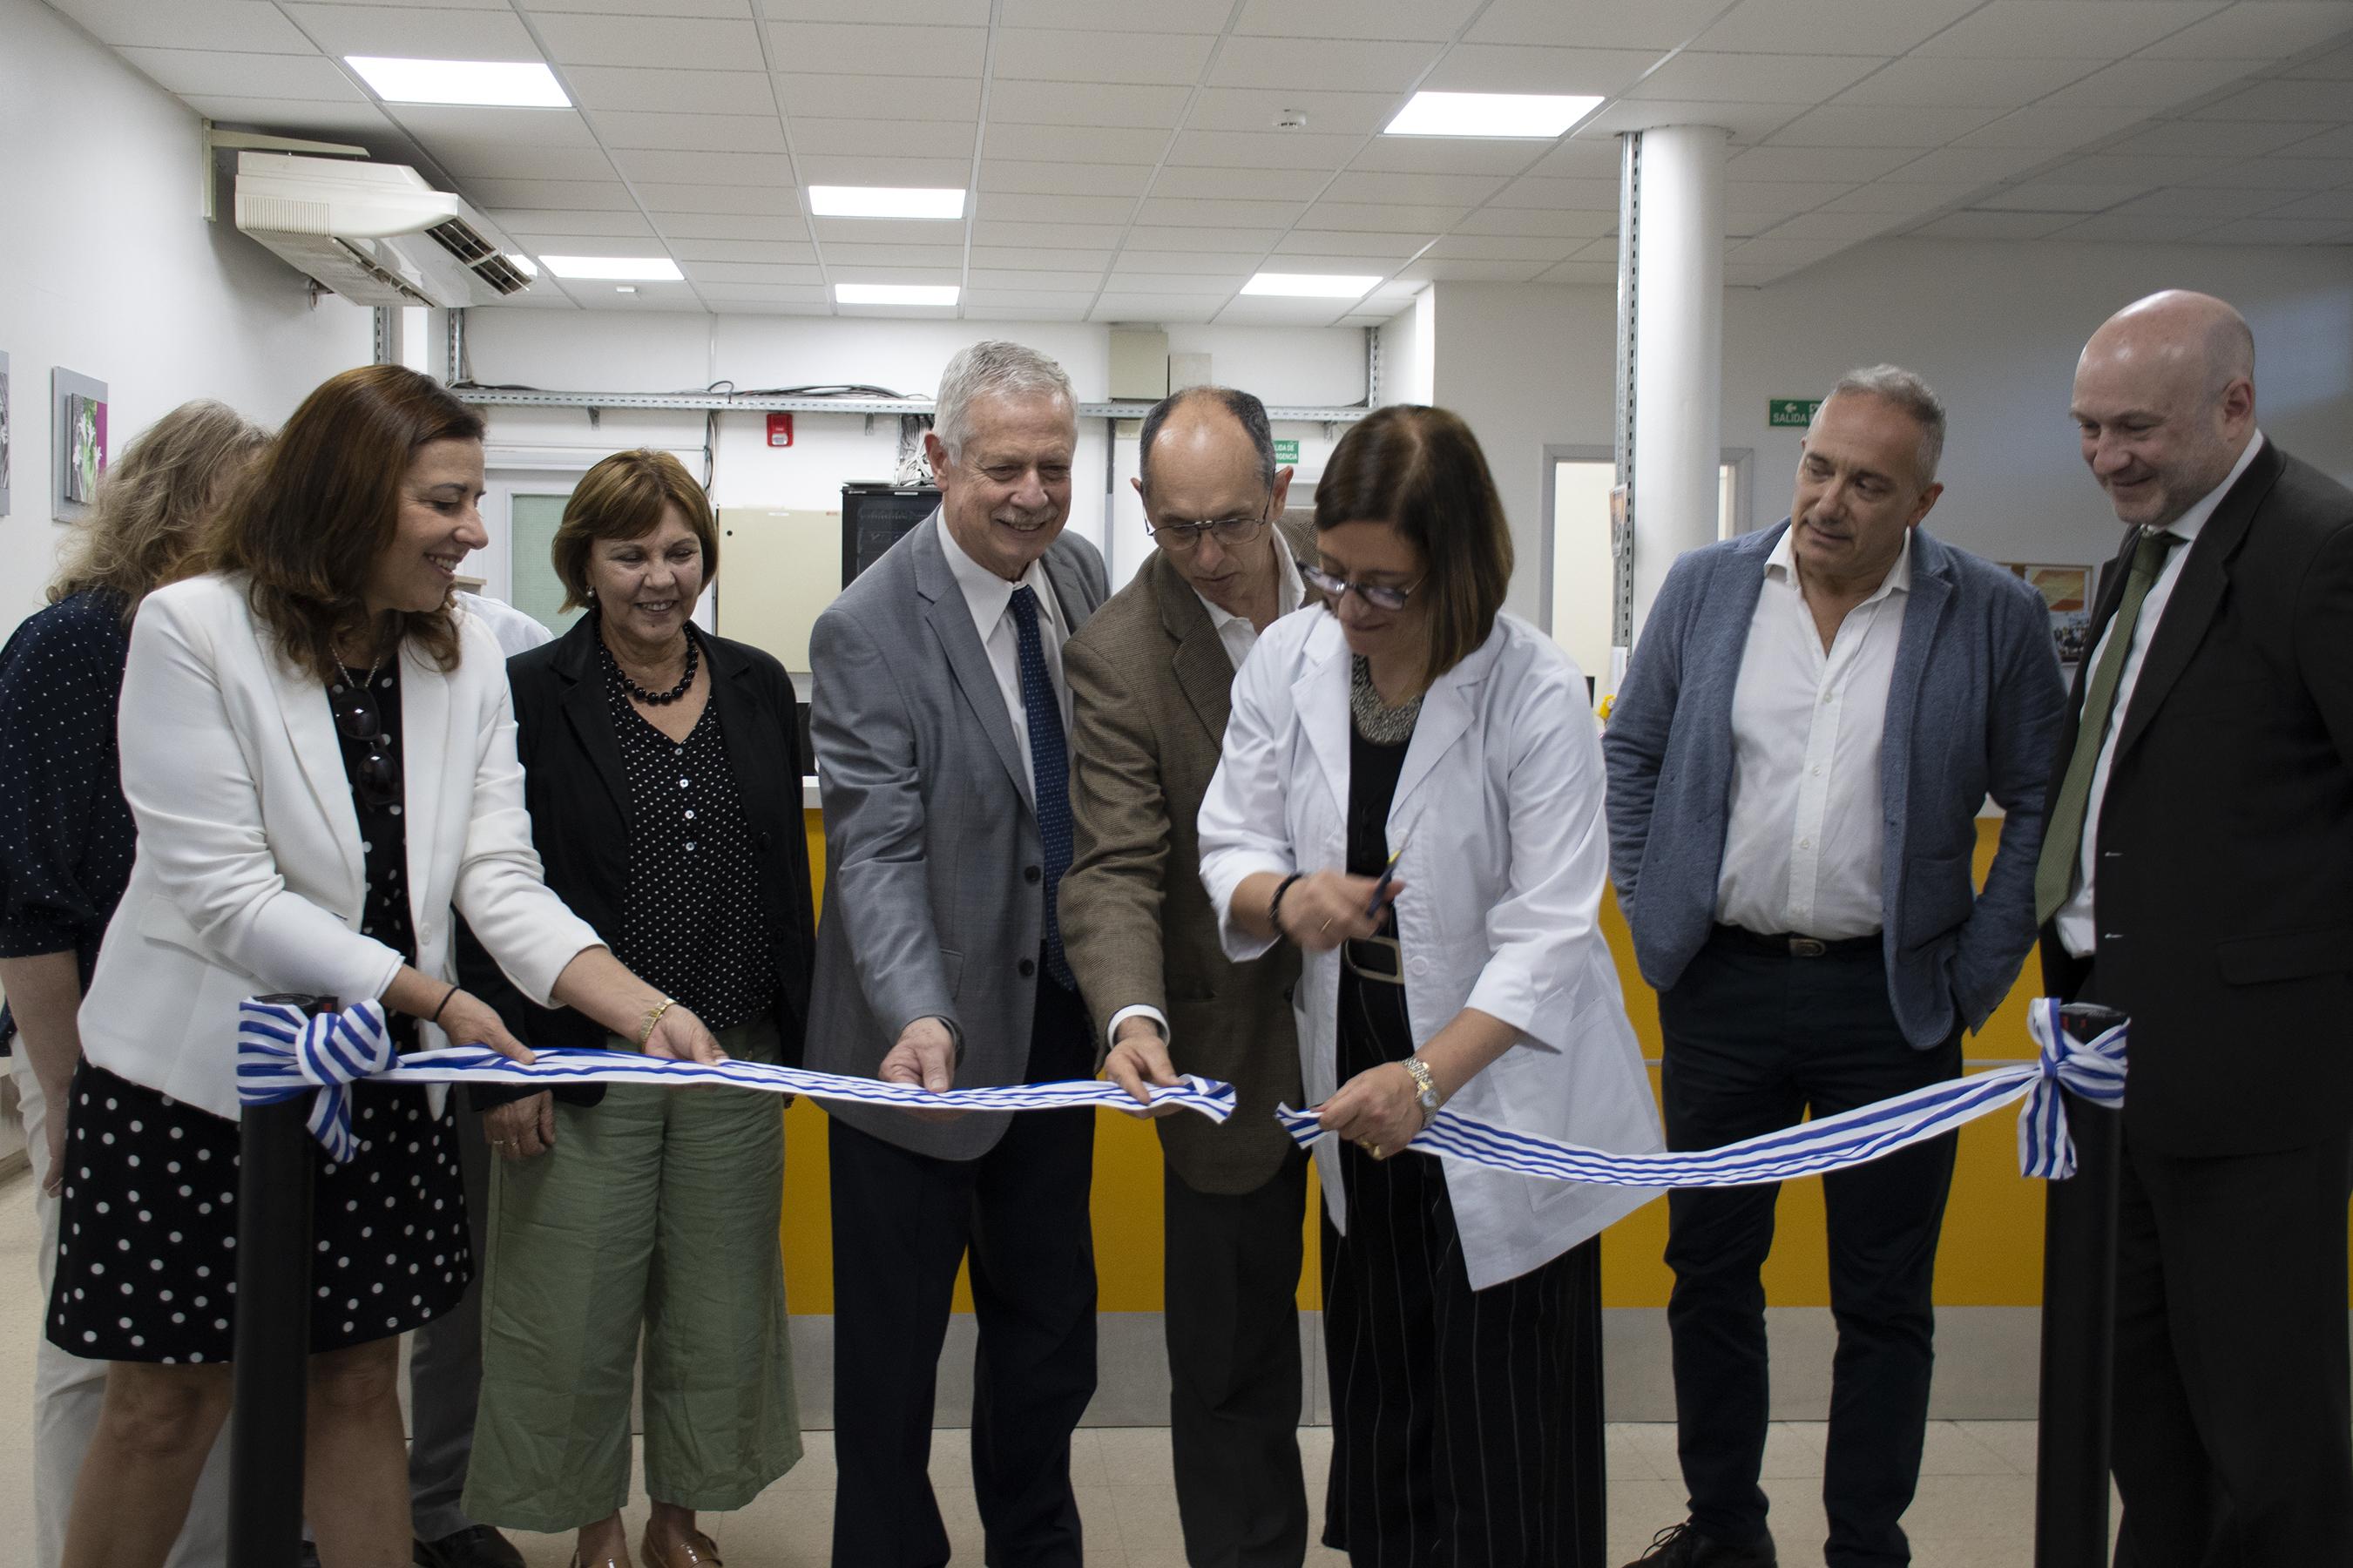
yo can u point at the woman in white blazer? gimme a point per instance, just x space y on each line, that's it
319 753
1410 718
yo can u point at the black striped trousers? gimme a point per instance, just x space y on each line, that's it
1451 1433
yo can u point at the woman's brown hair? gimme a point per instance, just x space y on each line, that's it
155 502
313 515
1421 471
624 496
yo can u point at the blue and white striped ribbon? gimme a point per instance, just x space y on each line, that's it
282 1054
2094 1069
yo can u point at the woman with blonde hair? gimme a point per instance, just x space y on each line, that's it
66 842
319 751
662 769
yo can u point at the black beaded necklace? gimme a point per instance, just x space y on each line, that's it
652 699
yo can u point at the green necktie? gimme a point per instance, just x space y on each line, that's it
2062 834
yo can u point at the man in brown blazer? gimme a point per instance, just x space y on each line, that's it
1149 677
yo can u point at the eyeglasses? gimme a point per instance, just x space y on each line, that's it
1380 596
1232 532
378 781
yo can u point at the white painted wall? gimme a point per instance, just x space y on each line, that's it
108 268
1994 326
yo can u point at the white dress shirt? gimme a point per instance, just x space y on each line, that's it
1802 835
989 597
1236 632
2077 932
1238 635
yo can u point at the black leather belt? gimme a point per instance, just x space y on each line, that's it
1791 944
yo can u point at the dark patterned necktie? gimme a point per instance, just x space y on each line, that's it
1050 770
2063 836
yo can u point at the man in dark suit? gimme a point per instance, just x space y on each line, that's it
2197 874
1150 680
940 715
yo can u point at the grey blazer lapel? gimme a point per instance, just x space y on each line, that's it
1931 591
950 619
1079 598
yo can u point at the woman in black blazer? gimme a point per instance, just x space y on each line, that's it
662 771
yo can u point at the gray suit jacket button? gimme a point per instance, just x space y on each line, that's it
1027 967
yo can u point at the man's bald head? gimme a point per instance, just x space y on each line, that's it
2164 402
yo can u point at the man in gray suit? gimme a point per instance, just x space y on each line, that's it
940 719
1797 758
1151 677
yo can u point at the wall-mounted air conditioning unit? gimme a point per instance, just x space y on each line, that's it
375 234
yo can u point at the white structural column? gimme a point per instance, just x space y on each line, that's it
1678 348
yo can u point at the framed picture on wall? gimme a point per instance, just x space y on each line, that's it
2069 592
78 421
4 433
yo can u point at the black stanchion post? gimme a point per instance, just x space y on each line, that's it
1589 1462
273 1327
2079 1299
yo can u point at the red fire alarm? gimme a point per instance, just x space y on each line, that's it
780 429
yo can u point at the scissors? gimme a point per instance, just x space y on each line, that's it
1388 879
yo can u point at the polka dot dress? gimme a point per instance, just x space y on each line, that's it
691 918
147 1230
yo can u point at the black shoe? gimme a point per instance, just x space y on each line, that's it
1683 1546
476 1546
309 1556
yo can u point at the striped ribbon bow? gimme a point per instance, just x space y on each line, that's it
281 1052
2094 1069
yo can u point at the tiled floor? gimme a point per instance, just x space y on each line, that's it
1973 1508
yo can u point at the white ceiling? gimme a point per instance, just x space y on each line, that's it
1130 175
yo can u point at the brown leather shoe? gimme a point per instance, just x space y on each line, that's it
600 1563
697 1551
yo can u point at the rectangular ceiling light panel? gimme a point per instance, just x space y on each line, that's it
895 293
886 201
497 84
615 269
1312 285
1529 115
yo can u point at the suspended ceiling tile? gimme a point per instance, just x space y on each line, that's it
670 167
1844 228
1154 308
1816 164
2212 139
1755 79
1895 196
662 43
846 48
2057 196
478 160
884 138
1007 207
887 231
2206 202
1044 177
453 125
619 7
1220 237
1233 261
768 250
411 32
1654 24
2051 125
1139 105
755 201
251 26
1458 269
1376 218
1256 109
1045 236
1747 122
1394 245
1408 190
2275 28
753 272
1075 143
1567 196
1503 248
1966 83
2280 173
2283 98
1784 196
670 91
916 13
1052 304
1995 225
2151 85
294 116
801 293
1877 125
1230 212
1980 164
1517 68
1447 156
2134 228
1018 259
692 132
1883 27
2140 169
1093 16
1533 221
1431 21
227 73
2087 29
859 97
2274 229
574 196
2327 144
1323 64
857 169
1180 282
1272 184
732 226
2337 64
1036 277
861 273
1240 150
524 222
1037 55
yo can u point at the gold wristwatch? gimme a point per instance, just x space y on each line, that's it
1425 1088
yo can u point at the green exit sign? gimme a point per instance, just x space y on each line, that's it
1286 451
1796 411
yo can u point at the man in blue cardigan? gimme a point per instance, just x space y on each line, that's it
1812 720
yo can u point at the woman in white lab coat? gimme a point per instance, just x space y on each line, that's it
1408 726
